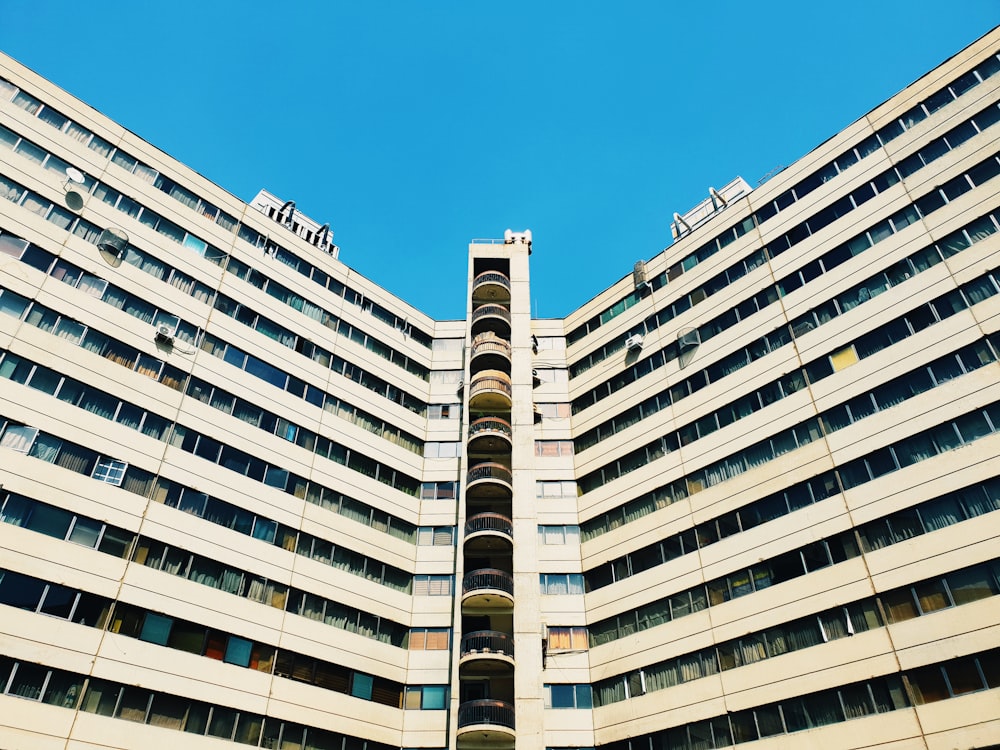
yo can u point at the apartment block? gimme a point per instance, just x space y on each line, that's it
750 493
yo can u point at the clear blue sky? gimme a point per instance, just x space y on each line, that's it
413 127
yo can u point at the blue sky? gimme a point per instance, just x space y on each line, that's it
413 127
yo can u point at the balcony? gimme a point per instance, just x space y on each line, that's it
489 479
490 352
491 286
485 723
487 644
489 588
490 435
491 317
489 524
490 390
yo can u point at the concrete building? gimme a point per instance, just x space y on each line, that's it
748 493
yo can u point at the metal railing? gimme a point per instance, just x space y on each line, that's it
488 578
489 522
490 383
490 344
491 310
498 713
487 642
489 470
492 277
491 425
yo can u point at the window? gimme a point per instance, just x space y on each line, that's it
19 438
436 536
844 358
553 448
429 639
569 534
554 410
444 411
561 583
556 489
432 585
110 470
568 696
438 490
447 345
550 343
427 697
552 375
566 638
441 450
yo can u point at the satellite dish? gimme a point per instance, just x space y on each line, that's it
112 245
74 199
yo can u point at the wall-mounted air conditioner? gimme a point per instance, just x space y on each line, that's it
165 333
634 342
689 340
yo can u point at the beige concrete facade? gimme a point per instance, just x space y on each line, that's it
750 493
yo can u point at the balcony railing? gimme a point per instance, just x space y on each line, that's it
491 277
490 343
487 642
492 311
488 578
490 470
490 383
489 522
491 426
498 713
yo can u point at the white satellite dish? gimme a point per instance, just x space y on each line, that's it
74 199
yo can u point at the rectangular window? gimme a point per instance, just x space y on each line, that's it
438 490
568 696
553 448
441 450
558 535
427 697
361 686
565 638
156 629
238 651
554 410
556 489
844 358
561 583
110 470
432 585
436 536
19 438
429 639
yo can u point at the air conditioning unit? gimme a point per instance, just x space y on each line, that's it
689 340
165 333
112 242
634 342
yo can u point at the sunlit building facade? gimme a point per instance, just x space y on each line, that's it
750 493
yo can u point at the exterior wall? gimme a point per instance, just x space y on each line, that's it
337 579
